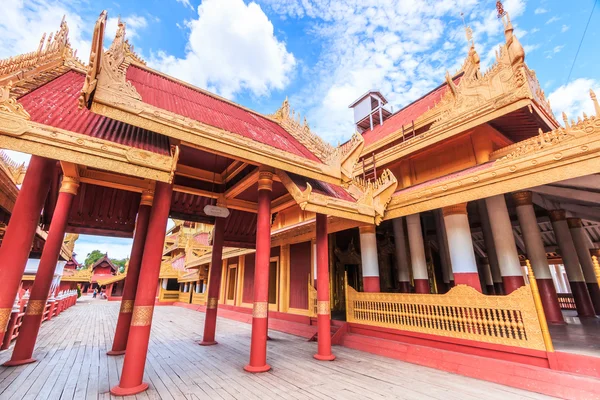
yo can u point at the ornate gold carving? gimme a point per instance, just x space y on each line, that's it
523 198
20 134
212 303
342 157
455 209
78 275
35 307
9 105
91 77
301 131
127 306
462 313
69 184
265 180
4 318
147 198
323 307
596 104
50 52
142 315
376 194
557 215
574 222
260 309
14 170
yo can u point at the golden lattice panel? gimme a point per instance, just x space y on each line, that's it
462 313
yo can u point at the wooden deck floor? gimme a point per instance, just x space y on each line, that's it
73 365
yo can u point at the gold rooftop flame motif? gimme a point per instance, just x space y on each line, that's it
345 157
56 48
14 170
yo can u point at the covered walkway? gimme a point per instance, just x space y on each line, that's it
73 365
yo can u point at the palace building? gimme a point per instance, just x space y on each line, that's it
465 223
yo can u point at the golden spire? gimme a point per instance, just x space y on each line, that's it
468 30
596 105
500 9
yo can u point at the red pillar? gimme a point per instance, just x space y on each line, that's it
216 266
23 351
20 232
143 308
133 273
323 309
260 309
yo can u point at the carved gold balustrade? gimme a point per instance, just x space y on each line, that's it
168 295
462 313
199 298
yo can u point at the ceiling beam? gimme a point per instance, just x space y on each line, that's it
583 182
233 170
200 174
283 202
242 185
115 181
576 195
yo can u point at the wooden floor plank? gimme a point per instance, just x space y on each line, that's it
72 364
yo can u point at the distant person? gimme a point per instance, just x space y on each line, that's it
95 293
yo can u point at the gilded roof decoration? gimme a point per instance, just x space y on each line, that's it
55 49
14 170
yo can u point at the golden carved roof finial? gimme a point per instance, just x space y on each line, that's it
14 170
10 105
565 119
596 105
468 30
500 9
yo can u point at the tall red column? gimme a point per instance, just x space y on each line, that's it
23 352
216 265
323 308
143 308
20 232
133 273
260 309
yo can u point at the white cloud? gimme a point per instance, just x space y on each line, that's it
534 30
186 3
552 19
133 24
117 248
231 47
574 98
555 50
564 28
23 24
540 10
365 46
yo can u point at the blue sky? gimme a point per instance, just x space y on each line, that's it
323 54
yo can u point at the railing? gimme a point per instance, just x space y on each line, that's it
12 330
184 297
462 313
168 295
198 298
566 301
312 300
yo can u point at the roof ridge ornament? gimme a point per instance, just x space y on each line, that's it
109 68
51 48
343 156
10 105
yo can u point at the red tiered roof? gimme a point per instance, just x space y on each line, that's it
57 104
320 187
175 97
406 116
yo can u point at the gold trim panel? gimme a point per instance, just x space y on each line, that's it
4 318
127 306
260 309
323 307
142 315
35 307
212 303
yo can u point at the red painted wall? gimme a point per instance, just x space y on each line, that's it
247 296
103 270
299 271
